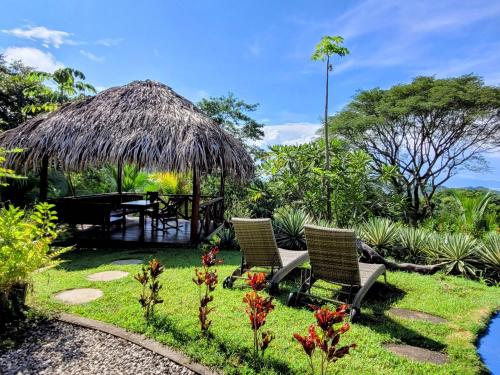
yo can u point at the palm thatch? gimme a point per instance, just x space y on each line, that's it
144 123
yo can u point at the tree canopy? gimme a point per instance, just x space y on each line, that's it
425 131
233 115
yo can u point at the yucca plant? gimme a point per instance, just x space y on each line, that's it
289 228
433 245
458 251
413 241
473 213
380 233
489 251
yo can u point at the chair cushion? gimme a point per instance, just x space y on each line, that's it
369 271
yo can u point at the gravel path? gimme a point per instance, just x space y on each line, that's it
62 348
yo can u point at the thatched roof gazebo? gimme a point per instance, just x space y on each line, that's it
145 123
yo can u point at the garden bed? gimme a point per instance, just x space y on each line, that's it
464 304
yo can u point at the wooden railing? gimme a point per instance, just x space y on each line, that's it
211 211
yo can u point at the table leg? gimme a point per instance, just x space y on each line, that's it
141 224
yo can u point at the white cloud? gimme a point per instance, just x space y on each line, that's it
91 56
49 37
288 134
109 42
33 57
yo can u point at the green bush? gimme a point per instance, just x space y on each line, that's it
489 253
24 248
379 232
458 252
413 242
289 228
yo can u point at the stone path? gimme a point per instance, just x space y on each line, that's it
417 354
127 261
62 348
78 296
107 276
416 315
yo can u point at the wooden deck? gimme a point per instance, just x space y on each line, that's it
93 236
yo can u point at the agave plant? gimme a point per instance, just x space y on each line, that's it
289 228
227 239
380 233
433 245
414 241
458 252
489 251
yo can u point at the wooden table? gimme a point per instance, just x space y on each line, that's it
140 206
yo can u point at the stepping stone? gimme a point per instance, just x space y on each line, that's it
417 354
107 276
78 296
122 262
416 315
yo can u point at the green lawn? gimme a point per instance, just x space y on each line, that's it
465 304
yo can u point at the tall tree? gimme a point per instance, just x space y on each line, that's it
14 83
69 84
425 131
328 47
233 115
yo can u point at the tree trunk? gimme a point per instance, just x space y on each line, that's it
327 148
369 255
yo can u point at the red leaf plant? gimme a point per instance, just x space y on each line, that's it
257 309
328 338
206 280
148 278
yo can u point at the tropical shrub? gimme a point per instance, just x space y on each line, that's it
24 248
150 294
227 239
474 218
207 278
257 309
289 228
458 252
413 242
327 339
379 232
489 253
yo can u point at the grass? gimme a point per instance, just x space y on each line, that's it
465 304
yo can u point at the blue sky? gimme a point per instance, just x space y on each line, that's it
260 50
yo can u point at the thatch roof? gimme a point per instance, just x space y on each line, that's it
144 122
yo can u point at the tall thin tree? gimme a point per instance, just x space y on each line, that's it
328 47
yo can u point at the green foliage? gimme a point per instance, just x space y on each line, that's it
69 85
133 179
381 233
14 83
489 251
150 295
425 130
289 228
414 242
458 251
24 248
232 114
329 46
473 217
227 239
6 173
168 183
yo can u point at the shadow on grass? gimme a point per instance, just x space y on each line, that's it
82 259
380 299
230 354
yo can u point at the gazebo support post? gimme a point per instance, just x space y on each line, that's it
195 211
222 188
119 176
44 179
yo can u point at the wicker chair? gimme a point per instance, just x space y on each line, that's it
259 249
334 259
